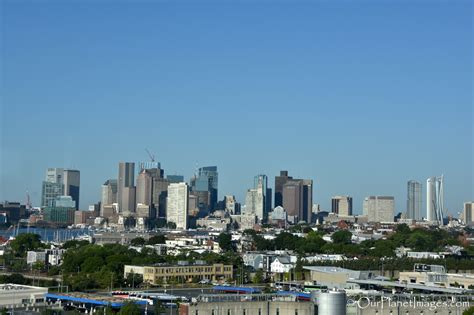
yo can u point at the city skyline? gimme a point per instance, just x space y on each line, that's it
290 179
343 94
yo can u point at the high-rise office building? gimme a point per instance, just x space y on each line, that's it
379 208
109 195
65 202
341 205
53 186
175 178
468 213
160 192
207 180
413 200
292 198
72 182
144 188
177 205
435 199
254 203
54 175
261 182
126 188
307 203
50 191
279 182
298 199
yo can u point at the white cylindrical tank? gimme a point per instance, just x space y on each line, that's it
330 302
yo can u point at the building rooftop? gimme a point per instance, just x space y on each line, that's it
19 287
328 269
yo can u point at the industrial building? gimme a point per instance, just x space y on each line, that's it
182 272
15 295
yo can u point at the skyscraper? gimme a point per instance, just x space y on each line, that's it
254 203
342 205
126 188
279 182
52 187
379 208
109 195
261 182
177 205
144 188
297 199
306 211
72 182
468 213
207 180
413 200
292 199
435 199
175 178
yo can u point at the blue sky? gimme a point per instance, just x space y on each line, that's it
359 97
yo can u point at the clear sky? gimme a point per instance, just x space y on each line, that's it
360 96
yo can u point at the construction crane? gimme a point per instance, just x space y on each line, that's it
152 156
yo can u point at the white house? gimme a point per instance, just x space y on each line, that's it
281 265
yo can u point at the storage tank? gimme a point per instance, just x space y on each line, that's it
330 302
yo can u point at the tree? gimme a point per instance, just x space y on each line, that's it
39 265
469 311
157 239
129 308
159 308
25 242
403 229
258 278
342 237
225 242
138 241
134 280
75 244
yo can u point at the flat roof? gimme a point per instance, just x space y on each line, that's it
20 287
327 269
411 286
87 299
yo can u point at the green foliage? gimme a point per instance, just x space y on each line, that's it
342 237
138 241
469 311
134 280
157 239
159 308
39 265
129 308
75 244
403 229
15 278
225 242
25 242
312 243
258 278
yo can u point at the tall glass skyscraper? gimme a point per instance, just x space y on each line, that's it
435 199
413 200
207 180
